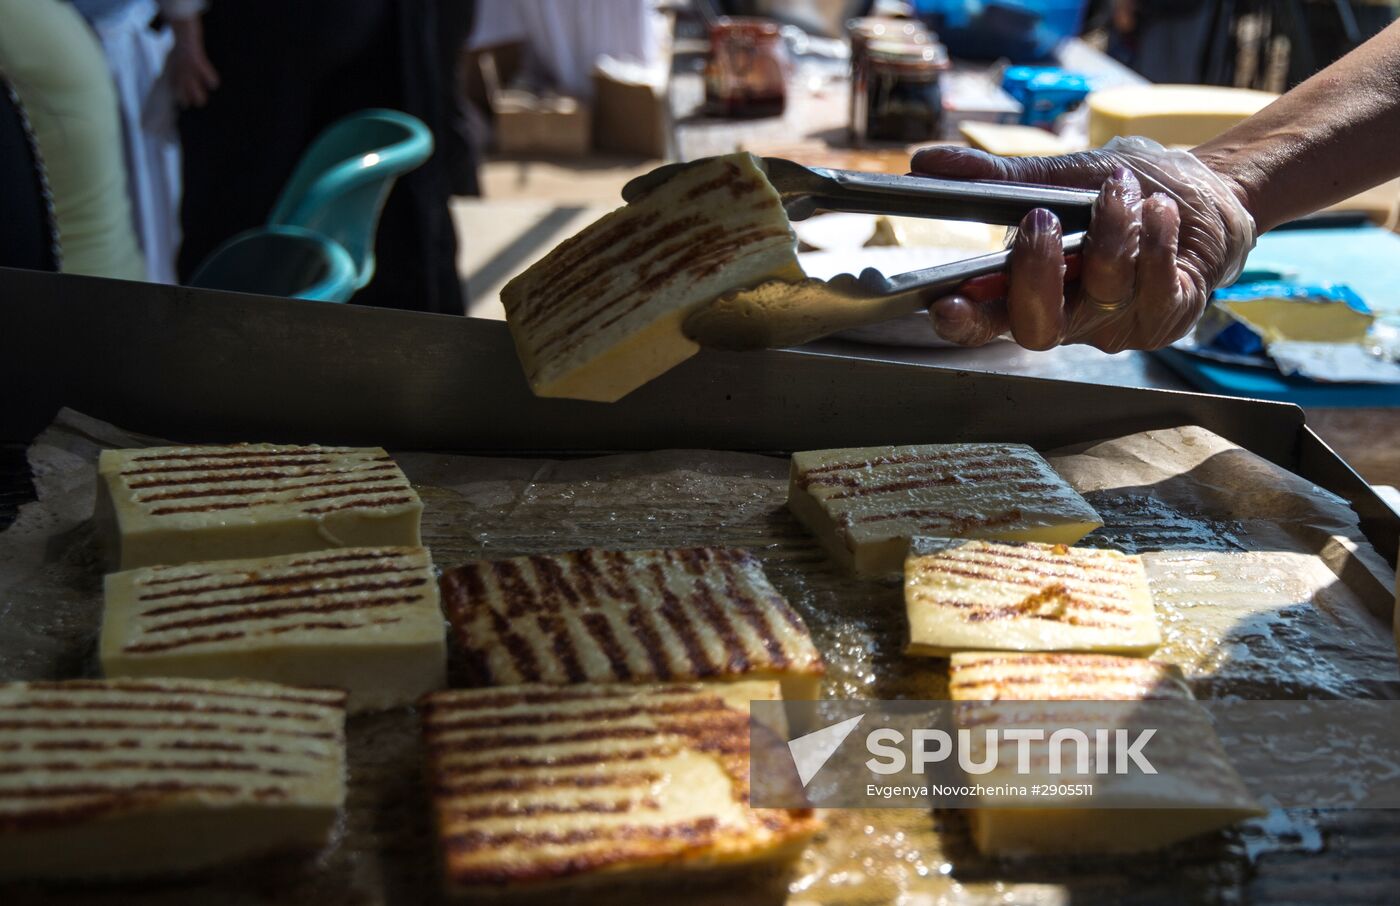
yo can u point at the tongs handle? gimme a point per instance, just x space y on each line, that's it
988 272
952 199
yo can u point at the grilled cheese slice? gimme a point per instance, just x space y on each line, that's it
546 789
864 504
963 595
126 778
365 620
1194 791
182 504
628 616
602 314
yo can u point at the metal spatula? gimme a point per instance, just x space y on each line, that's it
785 313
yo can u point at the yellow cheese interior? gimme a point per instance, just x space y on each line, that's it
986 595
1171 114
602 313
1011 140
1293 319
864 504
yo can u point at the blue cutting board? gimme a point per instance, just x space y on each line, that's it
1365 258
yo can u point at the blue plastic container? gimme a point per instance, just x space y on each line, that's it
1045 93
1023 31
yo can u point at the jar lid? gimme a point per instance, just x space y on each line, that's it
905 55
886 27
744 26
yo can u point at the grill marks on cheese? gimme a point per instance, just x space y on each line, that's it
603 313
311 480
865 503
882 481
660 248
989 676
962 595
591 615
79 750
344 590
541 784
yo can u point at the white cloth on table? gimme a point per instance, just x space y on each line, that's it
566 37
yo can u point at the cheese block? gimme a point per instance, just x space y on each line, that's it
628 616
552 789
963 595
180 504
365 620
126 778
864 504
1013 140
1184 115
1194 791
601 314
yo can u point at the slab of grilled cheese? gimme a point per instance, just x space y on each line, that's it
864 504
628 616
365 620
969 595
601 314
1194 791
124 778
181 504
546 788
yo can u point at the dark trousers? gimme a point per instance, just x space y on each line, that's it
27 235
287 71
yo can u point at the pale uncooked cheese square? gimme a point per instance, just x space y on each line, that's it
628 616
365 620
602 314
169 505
864 504
970 595
560 789
137 778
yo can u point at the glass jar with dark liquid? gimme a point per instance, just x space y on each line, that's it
903 95
747 73
861 32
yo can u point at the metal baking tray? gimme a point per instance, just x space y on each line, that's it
204 365
201 365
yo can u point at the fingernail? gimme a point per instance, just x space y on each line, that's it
1040 220
953 326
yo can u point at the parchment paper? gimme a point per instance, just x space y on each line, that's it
1263 584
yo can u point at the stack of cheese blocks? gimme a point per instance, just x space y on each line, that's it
608 739
262 592
983 534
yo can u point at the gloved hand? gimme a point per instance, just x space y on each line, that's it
1166 230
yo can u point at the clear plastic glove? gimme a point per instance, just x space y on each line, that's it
1166 231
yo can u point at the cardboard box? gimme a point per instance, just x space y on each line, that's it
630 111
528 123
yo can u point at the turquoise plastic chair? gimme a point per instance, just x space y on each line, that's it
340 184
281 261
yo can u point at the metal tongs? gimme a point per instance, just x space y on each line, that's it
789 313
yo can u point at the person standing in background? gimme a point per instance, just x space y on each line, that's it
56 68
136 55
262 78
